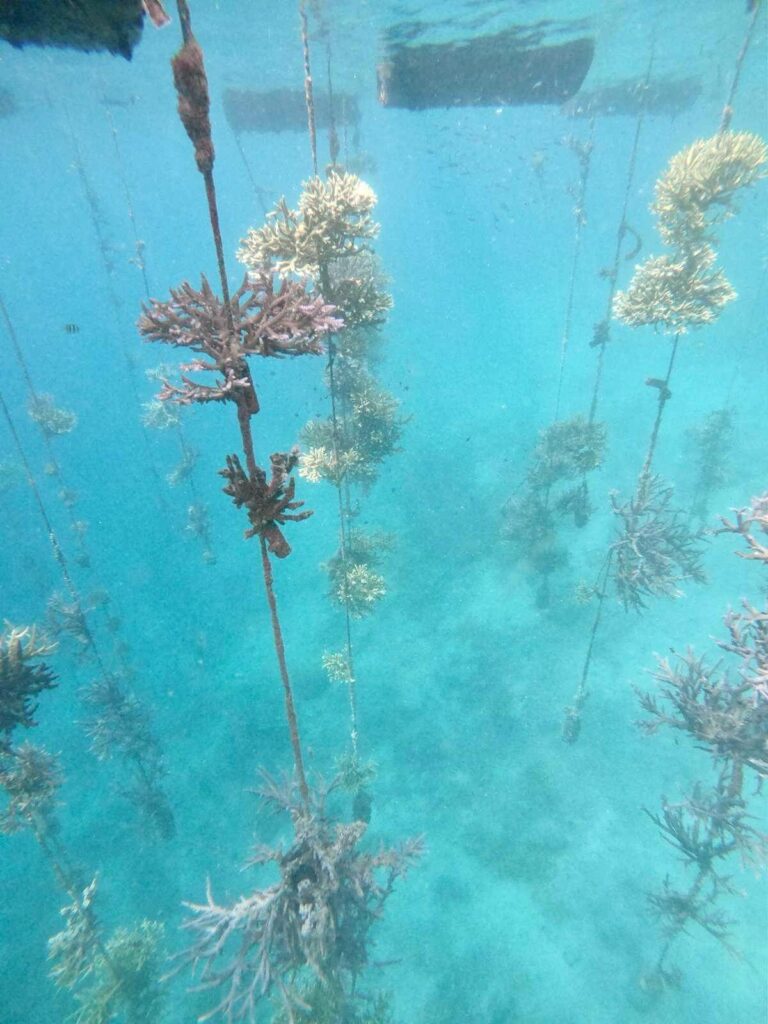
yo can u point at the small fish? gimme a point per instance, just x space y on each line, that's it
72 328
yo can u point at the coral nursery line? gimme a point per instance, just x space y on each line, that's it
375 659
306 938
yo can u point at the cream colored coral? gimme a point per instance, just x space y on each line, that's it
332 219
698 187
321 463
674 294
359 588
160 415
337 667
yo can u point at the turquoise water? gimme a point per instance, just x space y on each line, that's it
529 904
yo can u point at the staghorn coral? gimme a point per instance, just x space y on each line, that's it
751 522
355 583
675 293
124 980
332 221
567 449
114 980
118 723
359 441
713 441
52 420
22 677
718 710
261 319
30 778
68 618
159 415
184 467
337 667
723 708
268 503
357 287
655 551
313 923
358 588
71 950
698 187
322 463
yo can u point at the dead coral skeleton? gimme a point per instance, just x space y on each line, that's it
314 921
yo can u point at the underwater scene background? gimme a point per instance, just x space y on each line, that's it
476 561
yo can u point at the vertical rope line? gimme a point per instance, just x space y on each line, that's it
578 232
620 235
308 95
244 415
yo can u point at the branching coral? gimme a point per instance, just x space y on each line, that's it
675 294
68 618
656 550
124 980
30 778
323 463
684 290
353 447
355 583
333 220
567 449
71 950
357 288
336 664
359 588
268 503
261 319
118 723
719 711
699 185
313 922
160 415
52 420
751 522
713 440
723 707
114 980
22 677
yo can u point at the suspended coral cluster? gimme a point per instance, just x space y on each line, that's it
311 925
22 677
566 451
333 220
261 319
116 978
722 706
51 419
684 290
655 551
